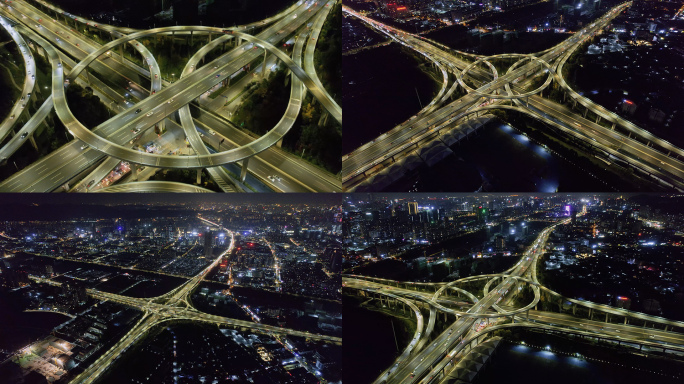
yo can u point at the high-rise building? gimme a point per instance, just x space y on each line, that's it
332 257
74 292
482 213
208 243
412 208
121 227
500 243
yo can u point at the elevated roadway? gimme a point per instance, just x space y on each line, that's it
431 364
657 158
17 111
173 305
68 170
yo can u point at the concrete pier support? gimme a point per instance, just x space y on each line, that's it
263 65
199 176
243 173
33 142
324 118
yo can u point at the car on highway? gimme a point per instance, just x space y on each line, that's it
211 132
84 146
12 117
138 110
149 114
23 135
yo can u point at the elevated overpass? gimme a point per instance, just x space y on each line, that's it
111 137
638 148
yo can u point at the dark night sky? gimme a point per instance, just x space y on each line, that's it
165 198
29 206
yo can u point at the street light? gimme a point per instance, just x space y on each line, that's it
174 77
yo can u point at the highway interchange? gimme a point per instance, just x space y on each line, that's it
174 305
131 88
620 140
469 320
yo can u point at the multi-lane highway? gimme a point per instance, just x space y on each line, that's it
173 305
635 146
18 109
424 362
162 100
475 317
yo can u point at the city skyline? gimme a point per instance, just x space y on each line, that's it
512 96
461 275
260 277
